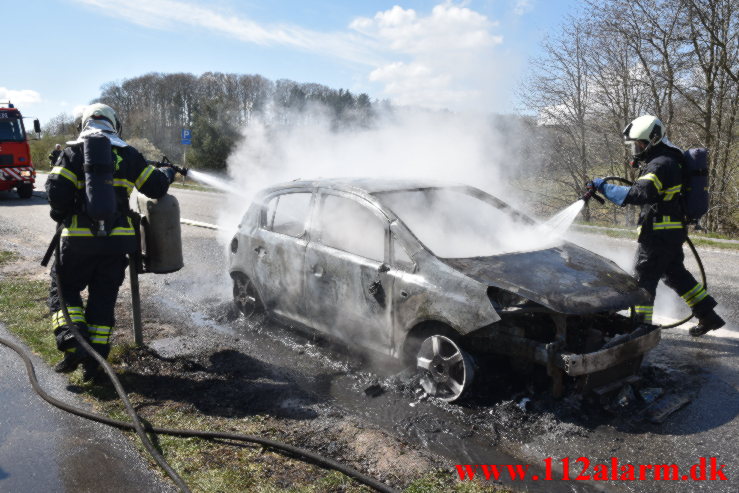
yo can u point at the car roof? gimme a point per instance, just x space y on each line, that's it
361 185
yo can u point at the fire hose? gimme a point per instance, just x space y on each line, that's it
592 194
142 428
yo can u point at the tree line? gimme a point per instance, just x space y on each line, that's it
619 59
155 107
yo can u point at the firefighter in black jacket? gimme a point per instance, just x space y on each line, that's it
54 154
661 227
94 253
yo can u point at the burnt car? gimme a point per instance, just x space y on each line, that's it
441 276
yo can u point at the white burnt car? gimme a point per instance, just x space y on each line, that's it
435 275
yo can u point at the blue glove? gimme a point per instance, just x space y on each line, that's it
598 184
615 193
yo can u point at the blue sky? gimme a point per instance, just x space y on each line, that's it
450 54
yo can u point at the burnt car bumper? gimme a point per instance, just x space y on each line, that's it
585 364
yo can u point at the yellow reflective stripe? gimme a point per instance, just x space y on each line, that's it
697 298
670 192
122 182
645 312
692 292
144 176
670 225
68 174
124 230
99 329
75 314
695 295
118 159
653 178
99 333
73 230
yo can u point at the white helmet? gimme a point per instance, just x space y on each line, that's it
99 111
647 128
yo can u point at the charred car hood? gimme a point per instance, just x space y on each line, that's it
567 279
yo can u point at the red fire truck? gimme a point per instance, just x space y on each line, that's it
16 168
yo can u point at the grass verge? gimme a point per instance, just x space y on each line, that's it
698 240
207 466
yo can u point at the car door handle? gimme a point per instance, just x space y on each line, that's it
318 271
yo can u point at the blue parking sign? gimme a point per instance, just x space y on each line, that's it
186 137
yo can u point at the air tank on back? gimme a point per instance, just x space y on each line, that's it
161 239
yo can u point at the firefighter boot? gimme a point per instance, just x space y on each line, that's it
91 369
707 322
72 358
74 353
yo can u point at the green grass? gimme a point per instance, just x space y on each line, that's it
7 257
23 310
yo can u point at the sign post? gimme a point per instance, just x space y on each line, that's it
186 140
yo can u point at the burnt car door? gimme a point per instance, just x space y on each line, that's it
279 251
346 282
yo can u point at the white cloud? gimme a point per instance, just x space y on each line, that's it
523 7
440 60
22 96
170 14
446 58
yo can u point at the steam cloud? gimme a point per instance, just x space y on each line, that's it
406 143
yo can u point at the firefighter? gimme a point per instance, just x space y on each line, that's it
94 254
54 154
661 227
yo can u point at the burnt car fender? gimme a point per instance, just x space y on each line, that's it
437 293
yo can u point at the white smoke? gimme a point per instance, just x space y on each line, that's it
403 143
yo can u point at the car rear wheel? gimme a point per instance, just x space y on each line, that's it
25 190
447 370
245 295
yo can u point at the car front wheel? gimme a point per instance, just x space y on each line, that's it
447 370
245 296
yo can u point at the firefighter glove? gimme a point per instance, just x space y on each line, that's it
57 215
169 172
615 193
598 183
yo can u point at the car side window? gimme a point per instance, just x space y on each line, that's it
287 213
347 225
401 258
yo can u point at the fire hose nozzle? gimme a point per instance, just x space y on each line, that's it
592 193
165 162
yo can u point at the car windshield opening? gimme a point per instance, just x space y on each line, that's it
11 130
462 222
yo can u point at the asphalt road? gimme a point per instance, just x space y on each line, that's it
706 368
